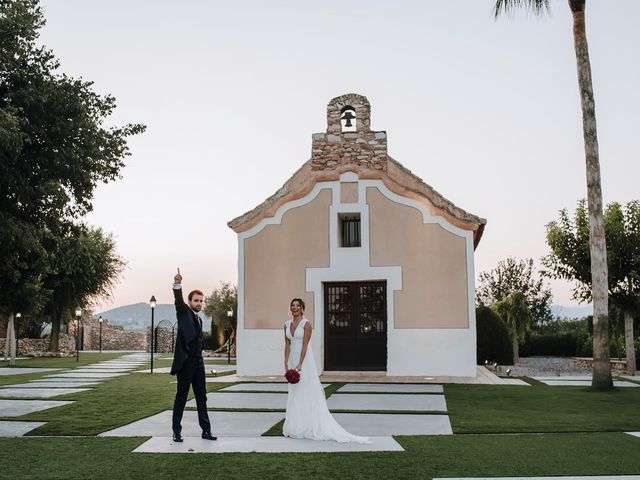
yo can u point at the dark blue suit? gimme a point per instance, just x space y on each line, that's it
188 365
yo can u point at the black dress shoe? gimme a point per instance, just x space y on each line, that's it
208 436
177 437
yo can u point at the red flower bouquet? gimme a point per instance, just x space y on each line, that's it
292 375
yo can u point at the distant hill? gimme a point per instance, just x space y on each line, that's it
138 316
571 312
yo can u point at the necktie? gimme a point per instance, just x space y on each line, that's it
199 320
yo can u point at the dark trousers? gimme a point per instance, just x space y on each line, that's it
191 374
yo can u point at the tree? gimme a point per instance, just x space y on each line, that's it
222 300
84 266
597 244
569 259
54 150
510 277
515 312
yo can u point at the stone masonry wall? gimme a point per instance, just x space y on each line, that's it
114 337
362 147
38 347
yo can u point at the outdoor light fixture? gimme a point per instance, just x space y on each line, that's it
152 304
78 316
229 315
100 342
508 371
18 315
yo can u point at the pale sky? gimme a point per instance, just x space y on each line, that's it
485 112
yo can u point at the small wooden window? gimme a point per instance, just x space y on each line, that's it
349 229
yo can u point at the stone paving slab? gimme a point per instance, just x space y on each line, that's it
10 392
635 434
563 377
95 381
54 384
274 401
261 387
85 375
101 370
586 383
587 477
390 402
376 424
263 444
17 429
223 424
635 378
223 379
390 388
515 381
24 370
16 408
207 369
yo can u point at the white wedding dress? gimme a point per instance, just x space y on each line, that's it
307 412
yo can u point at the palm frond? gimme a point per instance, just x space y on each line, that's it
537 7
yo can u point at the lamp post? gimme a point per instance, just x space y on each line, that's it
152 304
16 327
78 316
100 341
229 315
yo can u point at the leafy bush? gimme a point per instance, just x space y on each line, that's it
553 345
210 342
494 343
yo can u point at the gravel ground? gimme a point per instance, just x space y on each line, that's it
544 366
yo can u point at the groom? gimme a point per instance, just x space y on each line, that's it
188 364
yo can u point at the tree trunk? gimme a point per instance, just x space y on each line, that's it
514 342
597 244
629 342
10 341
54 345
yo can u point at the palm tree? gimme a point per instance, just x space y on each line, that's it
597 245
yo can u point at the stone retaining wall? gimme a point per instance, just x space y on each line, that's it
38 347
114 337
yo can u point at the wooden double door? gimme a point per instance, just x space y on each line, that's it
355 326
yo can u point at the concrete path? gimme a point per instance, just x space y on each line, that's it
261 387
224 424
207 368
11 428
635 434
585 383
17 408
390 388
250 401
264 444
85 375
376 424
4 371
386 402
587 477
63 384
12 392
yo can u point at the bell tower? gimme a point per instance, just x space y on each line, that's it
349 138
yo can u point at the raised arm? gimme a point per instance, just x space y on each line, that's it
177 292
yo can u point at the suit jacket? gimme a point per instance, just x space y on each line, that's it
189 337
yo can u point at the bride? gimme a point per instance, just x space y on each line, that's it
307 413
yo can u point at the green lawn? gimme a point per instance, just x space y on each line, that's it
425 457
500 431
